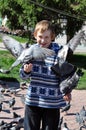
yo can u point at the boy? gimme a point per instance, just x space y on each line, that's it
43 98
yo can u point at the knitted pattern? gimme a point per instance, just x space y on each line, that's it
43 90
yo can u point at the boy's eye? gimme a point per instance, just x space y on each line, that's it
40 36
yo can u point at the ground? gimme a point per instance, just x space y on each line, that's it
78 101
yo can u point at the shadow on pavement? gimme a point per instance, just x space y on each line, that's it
7 82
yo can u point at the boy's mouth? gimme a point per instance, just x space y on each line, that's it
43 44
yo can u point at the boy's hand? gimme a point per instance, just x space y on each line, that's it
67 97
27 67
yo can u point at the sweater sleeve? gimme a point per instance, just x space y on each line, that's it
24 75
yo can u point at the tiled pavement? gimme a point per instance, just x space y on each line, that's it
78 101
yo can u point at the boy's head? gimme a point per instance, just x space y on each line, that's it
44 32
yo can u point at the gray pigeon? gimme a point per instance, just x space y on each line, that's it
1 106
13 91
11 102
65 127
22 98
82 127
34 52
78 118
81 116
66 108
70 82
68 73
24 55
82 112
60 123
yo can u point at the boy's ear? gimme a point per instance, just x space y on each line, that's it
53 37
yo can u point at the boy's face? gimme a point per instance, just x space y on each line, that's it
44 38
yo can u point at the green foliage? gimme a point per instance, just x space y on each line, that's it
79 6
28 12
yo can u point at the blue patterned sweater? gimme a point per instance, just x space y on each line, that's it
43 90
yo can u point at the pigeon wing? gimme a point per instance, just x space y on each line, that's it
47 52
24 57
12 45
76 40
69 48
41 53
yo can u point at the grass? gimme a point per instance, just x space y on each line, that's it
6 60
20 39
80 61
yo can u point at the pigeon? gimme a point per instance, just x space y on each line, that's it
2 90
67 84
60 123
20 124
82 127
13 128
4 71
69 75
22 55
82 112
22 99
13 91
65 127
23 85
81 116
12 102
15 115
2 122
66 108
79 119
34 52
6 126
1 106
1 97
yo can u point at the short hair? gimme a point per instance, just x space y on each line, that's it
43 26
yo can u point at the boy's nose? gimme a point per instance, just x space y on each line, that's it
42 40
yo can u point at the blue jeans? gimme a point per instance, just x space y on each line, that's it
36 117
